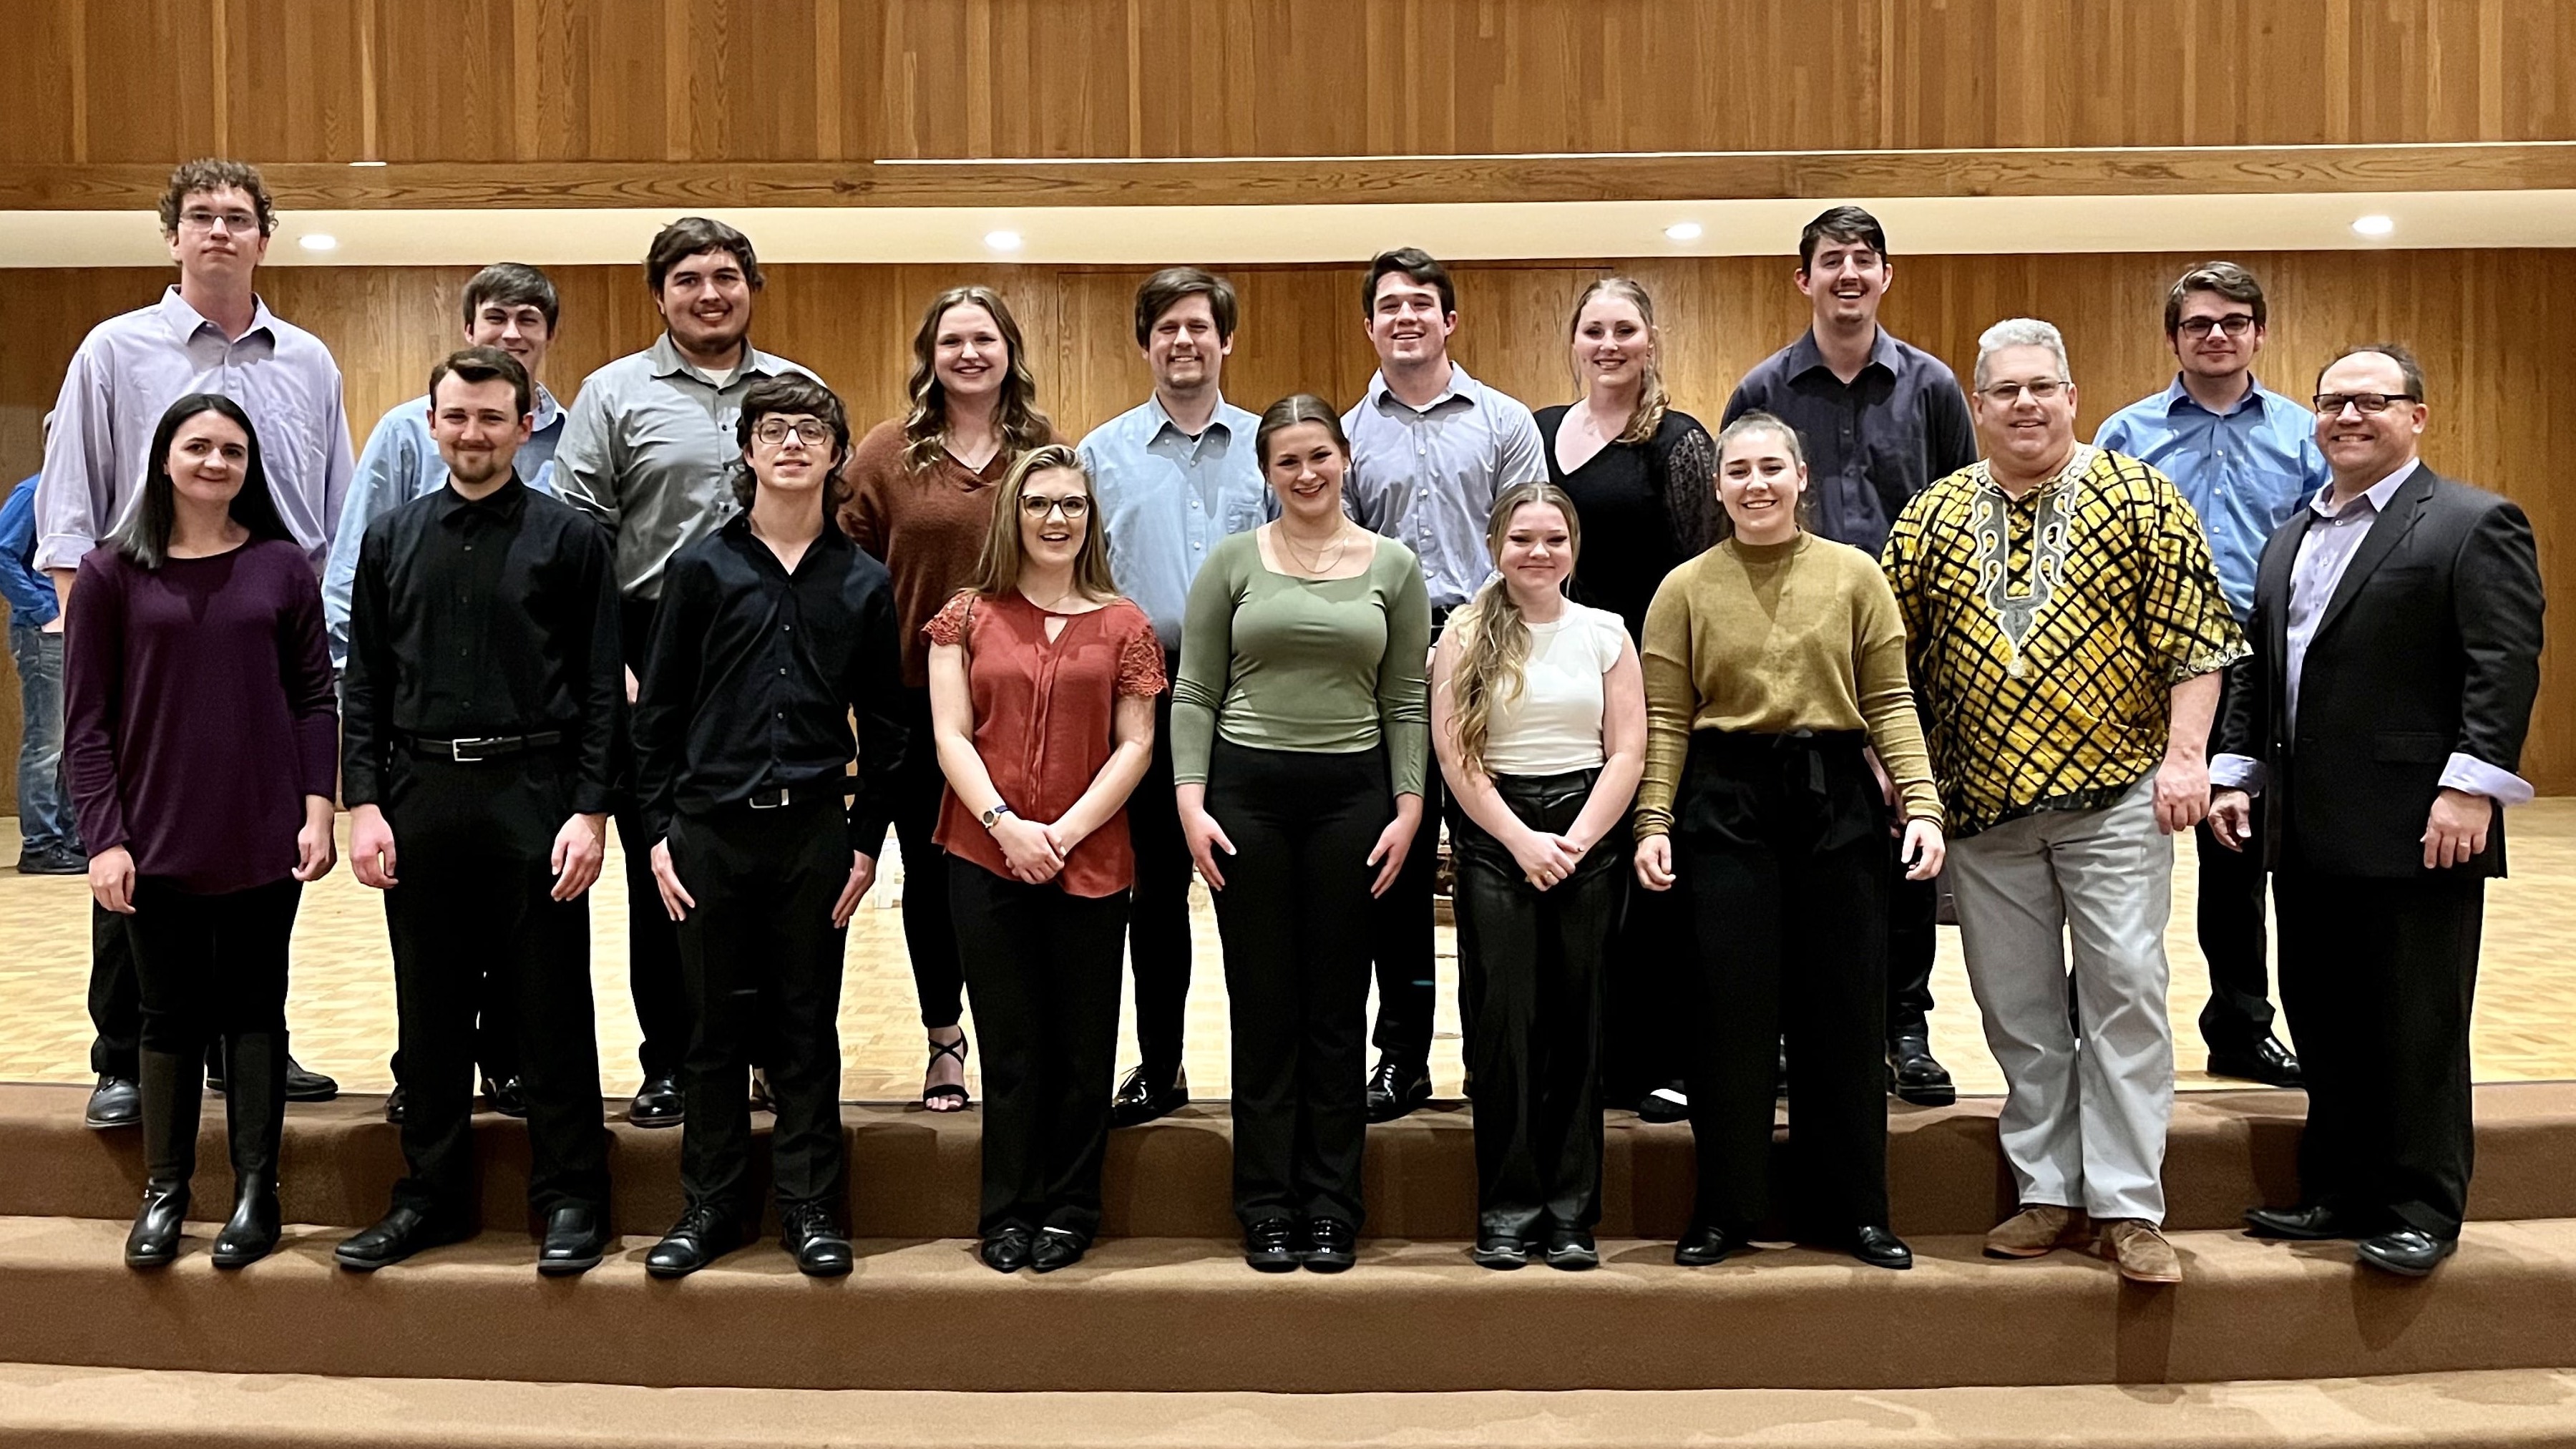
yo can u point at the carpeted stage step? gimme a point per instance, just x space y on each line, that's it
913 1173
60 1408
1185 1315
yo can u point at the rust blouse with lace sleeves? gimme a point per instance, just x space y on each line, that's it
1043 711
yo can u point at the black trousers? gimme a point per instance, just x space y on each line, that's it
2232 931
1913 936
2378 977
209 967
115 997
1401 932
1043 969
1158 921
473 918
762 962
929 926
1530 996
652 940
1295 922
1645 1038
1781 842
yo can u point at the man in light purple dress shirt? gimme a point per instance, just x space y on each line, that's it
210 333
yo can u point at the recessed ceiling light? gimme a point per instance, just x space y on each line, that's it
1683 231
320 241
366 163
1002 241
2373 225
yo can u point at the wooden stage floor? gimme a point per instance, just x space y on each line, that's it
341 1010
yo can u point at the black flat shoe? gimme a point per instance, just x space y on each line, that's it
308 1086
1501 1251
1880 1248
1705 1247
2305 1224
2406 1252
1007 1251
396 1236
1916 1076
1140 1100
505 1096
114 1102
2267 1061
1057 1248
576 1239
658 1102
702 1235
1330 1246
817 1243
1270 1245
1571 1249
154 1240
1397 1087
397 1105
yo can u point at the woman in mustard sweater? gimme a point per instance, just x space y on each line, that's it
1779 731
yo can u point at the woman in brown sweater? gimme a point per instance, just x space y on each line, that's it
921 499
1775 689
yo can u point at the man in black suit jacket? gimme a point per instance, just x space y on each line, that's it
2396 645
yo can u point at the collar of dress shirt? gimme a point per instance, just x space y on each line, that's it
1460 386
667 360
2176 395
1805 356
184 320
2377 493
506 501
1160 417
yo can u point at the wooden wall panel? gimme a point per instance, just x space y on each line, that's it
790 80
2494 329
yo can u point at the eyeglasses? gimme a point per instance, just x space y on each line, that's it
810 432
2005 394
197 218
1037 506
2368 404
2234 324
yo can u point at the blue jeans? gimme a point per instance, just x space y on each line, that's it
44 804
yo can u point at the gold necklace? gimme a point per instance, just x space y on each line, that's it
1319 564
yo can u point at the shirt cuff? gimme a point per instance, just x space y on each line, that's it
2238 772
2477 777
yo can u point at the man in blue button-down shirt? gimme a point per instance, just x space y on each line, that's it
2246 458
48 839
1172 476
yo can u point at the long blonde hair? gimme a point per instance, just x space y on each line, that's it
997 570
925 421
1496 639
1652 401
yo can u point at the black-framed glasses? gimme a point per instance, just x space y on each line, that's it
198 218
2368 404
1037 506
812 432
2234 324
2005 394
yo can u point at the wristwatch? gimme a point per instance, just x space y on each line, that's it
994 816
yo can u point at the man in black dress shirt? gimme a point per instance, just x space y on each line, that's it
771 634
1881 419
478 737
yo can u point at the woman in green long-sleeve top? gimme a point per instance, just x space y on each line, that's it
1299 734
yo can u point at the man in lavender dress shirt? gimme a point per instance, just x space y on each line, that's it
210 333
2396 641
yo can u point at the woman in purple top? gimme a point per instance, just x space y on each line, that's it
201 742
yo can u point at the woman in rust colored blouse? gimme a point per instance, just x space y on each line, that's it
921 500
1042 686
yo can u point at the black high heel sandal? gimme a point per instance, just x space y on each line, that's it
948 1091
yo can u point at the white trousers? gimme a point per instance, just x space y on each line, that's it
2084 1122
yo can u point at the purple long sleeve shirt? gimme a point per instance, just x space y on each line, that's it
198 711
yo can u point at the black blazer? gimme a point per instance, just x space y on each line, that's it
2430 646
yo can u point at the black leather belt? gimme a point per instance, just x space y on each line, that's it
490 747
776 799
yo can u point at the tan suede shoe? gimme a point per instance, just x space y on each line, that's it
2141 1252
2038 1228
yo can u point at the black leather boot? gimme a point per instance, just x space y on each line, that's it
256 1119
171 1087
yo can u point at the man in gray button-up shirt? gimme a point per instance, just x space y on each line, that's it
1431 448
647 450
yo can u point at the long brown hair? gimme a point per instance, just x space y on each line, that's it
997 571
1652 400
1017 417
1496 638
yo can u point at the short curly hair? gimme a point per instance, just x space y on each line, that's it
214 173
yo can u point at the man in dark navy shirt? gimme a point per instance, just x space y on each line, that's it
1880 419
771 634
478 740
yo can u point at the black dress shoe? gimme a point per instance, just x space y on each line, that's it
397 1105
308 1086
1330 1246
1270 1245
1057 1248
52 860
1667 1103
2266 1061
2304 1224
702 1235
114 1102
1702 1247
1499 1250
396 1236
576 1239
658 1102
1571 1249
761 1100
154 1240
1880 1248
1008 1250
1140 1100
816 1241
1916 1076
1397 1087
505 1096
2407 1252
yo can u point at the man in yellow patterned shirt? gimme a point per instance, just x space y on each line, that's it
2065 631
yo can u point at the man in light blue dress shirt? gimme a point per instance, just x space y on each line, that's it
1172 476
2246 459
